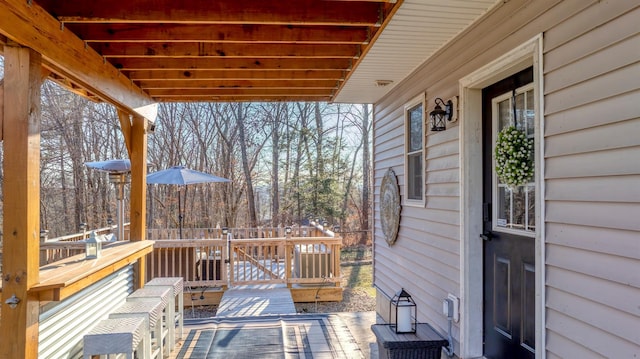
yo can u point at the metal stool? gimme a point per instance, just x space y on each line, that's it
177 284
165 296
151 312
115 336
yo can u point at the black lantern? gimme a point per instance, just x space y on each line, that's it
287 230
93 246
404 308
225 231
439 116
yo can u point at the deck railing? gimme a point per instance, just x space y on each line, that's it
219 263
59 248
216 233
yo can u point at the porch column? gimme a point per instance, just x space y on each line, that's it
138 156
21 227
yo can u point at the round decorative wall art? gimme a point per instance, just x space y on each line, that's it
390 206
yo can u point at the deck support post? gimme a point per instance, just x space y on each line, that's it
138 154
21 188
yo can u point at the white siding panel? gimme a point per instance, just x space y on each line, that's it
601 343
614 57
608 111
599 38
560 347
615 323
616 135
596 239
443 176
596 214
599 189
612 268
600 291
442 163
592 18
444 203
604 163
610 84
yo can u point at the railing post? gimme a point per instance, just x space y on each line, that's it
336 261
288 259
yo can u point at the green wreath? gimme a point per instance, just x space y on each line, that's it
514 163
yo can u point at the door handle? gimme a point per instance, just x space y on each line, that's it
486 236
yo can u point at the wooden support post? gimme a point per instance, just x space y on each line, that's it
1 109
21 227
138 157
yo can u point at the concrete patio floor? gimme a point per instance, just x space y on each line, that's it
317 335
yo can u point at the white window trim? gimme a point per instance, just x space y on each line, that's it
471 325
418 100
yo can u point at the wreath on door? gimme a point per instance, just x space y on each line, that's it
513 153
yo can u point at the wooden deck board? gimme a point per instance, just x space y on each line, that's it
247 301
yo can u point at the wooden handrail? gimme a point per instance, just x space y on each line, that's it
248 261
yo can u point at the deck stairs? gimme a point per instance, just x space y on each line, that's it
256 300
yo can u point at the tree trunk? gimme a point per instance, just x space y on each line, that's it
251 203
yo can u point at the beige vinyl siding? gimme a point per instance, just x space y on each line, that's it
592 172
592 159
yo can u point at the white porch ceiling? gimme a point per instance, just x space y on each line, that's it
417 30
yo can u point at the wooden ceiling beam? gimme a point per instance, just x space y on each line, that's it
139 75
62 51
177 93
227 50
239 84
255 34
308 12
253 98
139 63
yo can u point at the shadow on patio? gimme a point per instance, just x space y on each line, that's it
334 335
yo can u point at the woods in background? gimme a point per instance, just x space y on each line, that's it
286 162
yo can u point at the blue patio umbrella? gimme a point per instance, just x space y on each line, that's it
182 176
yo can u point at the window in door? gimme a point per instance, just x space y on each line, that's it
515 206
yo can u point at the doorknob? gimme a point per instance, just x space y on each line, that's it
486 236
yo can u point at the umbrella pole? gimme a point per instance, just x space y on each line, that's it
120 210
179 214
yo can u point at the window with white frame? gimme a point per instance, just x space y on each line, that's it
414 151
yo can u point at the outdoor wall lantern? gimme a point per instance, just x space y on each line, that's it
440 116
404 308
336 228
225 231
287 230
93 247
12 302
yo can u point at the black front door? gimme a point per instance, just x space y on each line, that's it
509 224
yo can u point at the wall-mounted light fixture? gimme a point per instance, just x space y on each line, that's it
288 230
440 116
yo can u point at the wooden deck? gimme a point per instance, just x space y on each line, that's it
253 301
